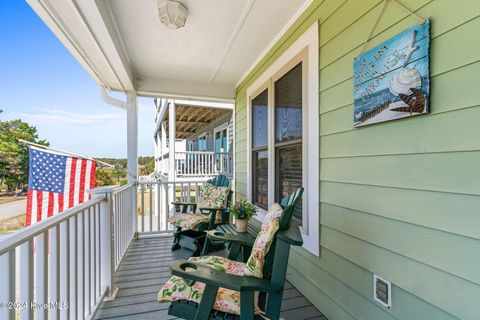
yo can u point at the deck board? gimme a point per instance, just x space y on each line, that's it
144 270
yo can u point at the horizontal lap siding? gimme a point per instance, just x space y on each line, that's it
400 199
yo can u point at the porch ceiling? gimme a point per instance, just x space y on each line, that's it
193 119
123 45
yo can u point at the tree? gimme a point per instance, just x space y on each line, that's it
118 172
147 165
104 178
13 154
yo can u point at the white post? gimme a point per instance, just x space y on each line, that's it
172 130
7 288
164 147
132 151
107 248
132 137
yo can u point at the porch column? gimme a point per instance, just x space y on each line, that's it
132 137
132 151
172 130
163 136
158 152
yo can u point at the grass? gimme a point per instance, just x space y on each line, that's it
12 224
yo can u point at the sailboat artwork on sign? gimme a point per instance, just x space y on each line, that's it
391 81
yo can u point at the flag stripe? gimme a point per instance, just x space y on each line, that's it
60 202
34 207
78 172
92 177
87 179
28 218
45 199
50 203
66 190
83 172
55 203
39 205
72 183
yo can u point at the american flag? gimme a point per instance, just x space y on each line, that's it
55 183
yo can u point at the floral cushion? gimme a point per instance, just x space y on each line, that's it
270 226
210 197
189 220
226 300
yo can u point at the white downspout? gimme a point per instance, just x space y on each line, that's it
112 101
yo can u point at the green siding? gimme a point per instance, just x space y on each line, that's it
400 199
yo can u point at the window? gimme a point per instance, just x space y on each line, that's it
283 133
260 150
202 143
288 135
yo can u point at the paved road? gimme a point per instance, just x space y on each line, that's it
12 209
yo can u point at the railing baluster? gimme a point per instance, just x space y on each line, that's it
93 257
26 280
81 268
150 207
197 191
55 271
41 275
99 227
166 205
143 207
73 305
7 287
158 207
87 256
117 223
124 223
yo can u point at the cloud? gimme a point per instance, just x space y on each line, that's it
62 117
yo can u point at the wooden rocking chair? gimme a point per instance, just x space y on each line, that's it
208 282
191 226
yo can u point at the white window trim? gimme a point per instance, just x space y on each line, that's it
310 139
217 129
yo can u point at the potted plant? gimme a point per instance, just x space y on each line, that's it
242 211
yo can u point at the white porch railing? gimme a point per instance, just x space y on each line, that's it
63 267
155 203
123 222
203 163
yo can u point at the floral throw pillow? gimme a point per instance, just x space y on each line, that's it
212 197
270 226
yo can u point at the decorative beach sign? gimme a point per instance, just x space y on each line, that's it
391 81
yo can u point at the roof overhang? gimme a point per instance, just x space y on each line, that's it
124 47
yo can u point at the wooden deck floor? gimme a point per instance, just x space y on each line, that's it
145 269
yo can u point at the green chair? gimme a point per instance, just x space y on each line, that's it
242 244
192 219
211 287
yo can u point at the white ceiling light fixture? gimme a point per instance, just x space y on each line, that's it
173 14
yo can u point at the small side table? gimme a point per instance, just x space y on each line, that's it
235 249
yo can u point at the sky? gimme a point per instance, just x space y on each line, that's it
42 83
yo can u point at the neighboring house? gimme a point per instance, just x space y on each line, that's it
203 134
398 199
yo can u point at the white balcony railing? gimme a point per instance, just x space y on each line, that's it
65 265
199 163
155 203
